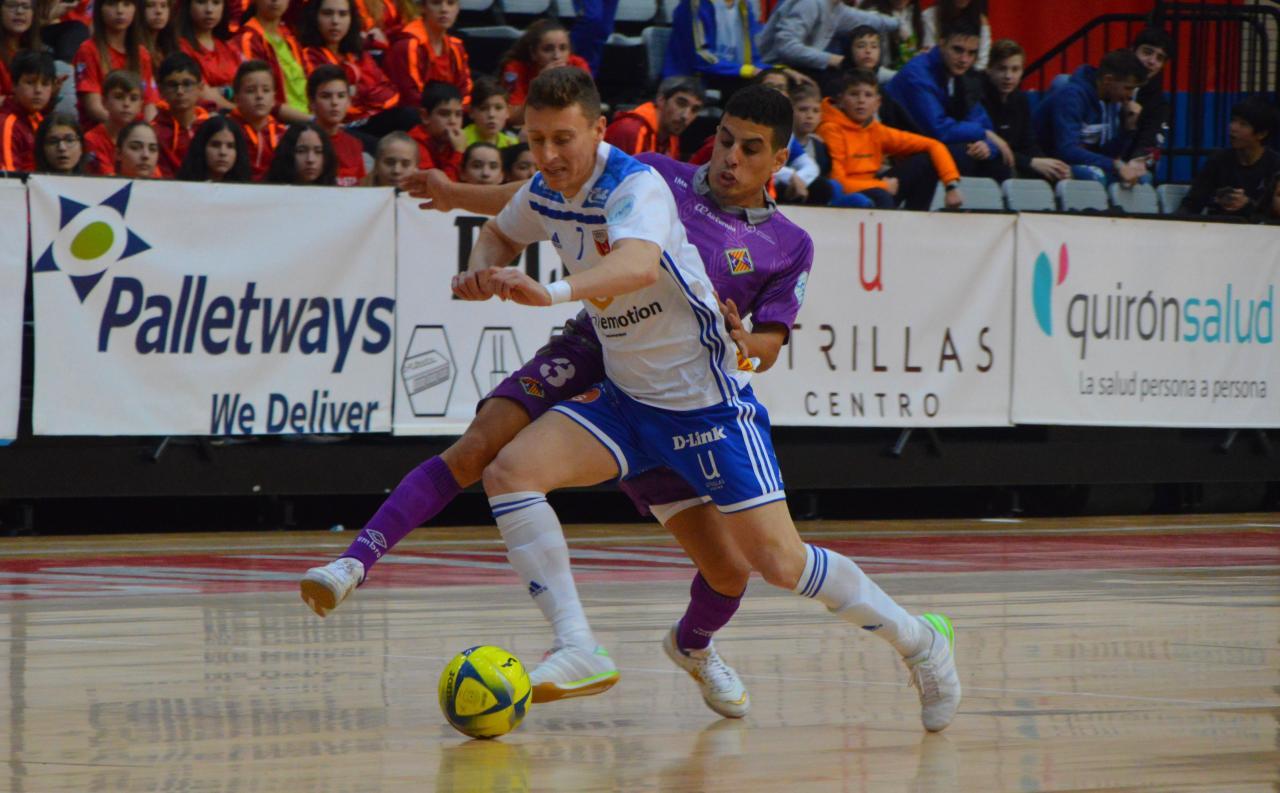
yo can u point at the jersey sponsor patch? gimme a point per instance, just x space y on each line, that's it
587 397
740 262
533 388
621 210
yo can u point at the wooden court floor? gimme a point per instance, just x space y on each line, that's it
1105 654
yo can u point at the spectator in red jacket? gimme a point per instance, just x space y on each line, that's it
116 44
330 96
255 98
544 45
59 145
426 53
304 157
181 82
381 22
657 125
19 30
217 154
22 112
395 160
122 97
201 29
265 37
440 139
331 35
138 152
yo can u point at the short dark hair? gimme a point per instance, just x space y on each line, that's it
438 92
1003 50
682 85
1154 37
1121 64
250 67
178 62
1259 114
37 62
961 26
480 144
767 107
562 87
485 88
847 79
121 79
862 32
327 73
510 154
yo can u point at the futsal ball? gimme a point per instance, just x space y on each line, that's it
484 692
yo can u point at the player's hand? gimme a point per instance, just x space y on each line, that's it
474 285
738 332
510 283
954 199
433 186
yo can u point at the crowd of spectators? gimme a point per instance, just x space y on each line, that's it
890 99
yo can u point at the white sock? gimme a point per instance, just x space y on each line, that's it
537 550
840 585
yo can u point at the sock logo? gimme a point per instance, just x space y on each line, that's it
377 537
1042 283
536 589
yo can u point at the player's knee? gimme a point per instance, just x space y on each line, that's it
504 475
779 568
468 457
730 582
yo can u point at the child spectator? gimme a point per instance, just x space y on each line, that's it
517 163
396 159
657 125
1234 181
544 45
200 27
489 114
18 32
137 152
122 92
1081 122
116 44
218 153
180 84
265 37
329 93
865 53
59 145
304 157
255 97
330 36
157 33
23 110
439 136
482 164
799 31
806 101
715 41
1010 113
908 40
1153 47
859 143
939 18
944 99
426 53
381 22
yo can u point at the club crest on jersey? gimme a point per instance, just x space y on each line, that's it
587 397
533 388
601 239
740 261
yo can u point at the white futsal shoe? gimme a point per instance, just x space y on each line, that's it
323 588
721 689
573 672
933 673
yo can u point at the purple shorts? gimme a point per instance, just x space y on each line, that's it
566 366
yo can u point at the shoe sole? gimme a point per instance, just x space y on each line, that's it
318 597
550 692
741 707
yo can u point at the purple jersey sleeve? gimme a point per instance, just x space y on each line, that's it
783 294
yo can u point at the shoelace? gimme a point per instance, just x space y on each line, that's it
925 681
714 670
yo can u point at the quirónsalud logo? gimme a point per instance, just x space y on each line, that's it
89 240
1042 283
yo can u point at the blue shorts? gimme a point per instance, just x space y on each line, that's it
723 451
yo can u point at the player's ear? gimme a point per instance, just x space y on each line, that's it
598 129
780 158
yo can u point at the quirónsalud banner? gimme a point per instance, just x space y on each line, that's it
13 280
169 308
906 323
1146 323
450 353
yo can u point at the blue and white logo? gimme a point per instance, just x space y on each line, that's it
89 240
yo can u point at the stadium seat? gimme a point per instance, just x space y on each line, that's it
1028 195
666 10
1171 196
527 8
486 46
475 13
565 10
1082 195
655 44
1137 200
979 193
634 16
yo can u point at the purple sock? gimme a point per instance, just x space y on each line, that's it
708 612
418 498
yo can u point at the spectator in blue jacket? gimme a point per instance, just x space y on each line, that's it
1083 124
715 40
944 98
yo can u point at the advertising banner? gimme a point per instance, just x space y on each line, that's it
13 283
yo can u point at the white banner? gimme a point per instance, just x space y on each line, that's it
165 308
13 283
450 353
906 323
1146 323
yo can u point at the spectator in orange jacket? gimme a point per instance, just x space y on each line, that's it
138 152
59 145
441 141
426 53
544 45
255 98
381 22
116 44
330 96
217 152
23 110
181 83
657 125
265 37
331 36
122 98
858 144
200 27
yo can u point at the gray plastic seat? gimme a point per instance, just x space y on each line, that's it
636 10
1171 196
655 41
1028 195
979 193
1137 200
1082 195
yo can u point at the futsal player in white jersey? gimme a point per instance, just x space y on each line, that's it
672 397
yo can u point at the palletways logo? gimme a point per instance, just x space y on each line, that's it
164 311
1222 314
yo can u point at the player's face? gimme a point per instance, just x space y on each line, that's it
563 142
63 148
206 14
1153 58
334 17
960 53
220 153
866 52
676 113
140 153
331 103
397 160
742 162
308 157
484 166
1006 74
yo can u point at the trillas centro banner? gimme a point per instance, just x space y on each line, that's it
13 279
1146 323
166 308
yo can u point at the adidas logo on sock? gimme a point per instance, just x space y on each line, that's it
378 539
536 589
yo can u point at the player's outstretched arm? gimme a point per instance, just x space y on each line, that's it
440 192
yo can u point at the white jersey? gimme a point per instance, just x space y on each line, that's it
664 345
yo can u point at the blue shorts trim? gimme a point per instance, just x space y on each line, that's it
619 457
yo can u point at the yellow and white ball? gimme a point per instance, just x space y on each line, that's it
484 692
